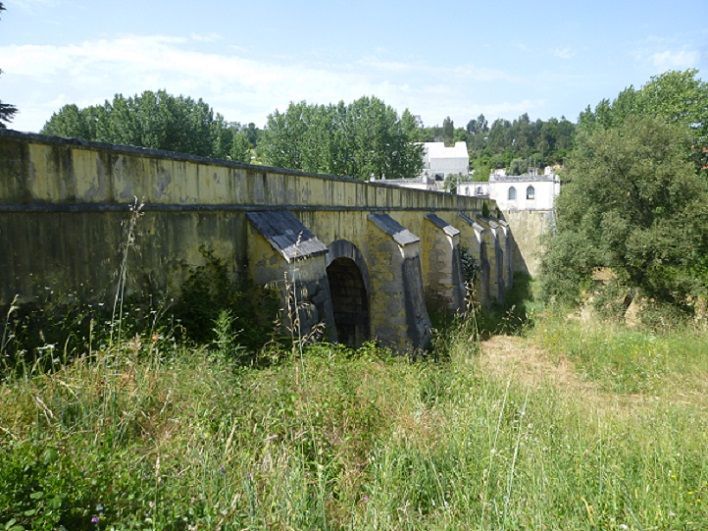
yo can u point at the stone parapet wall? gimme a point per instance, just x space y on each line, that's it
95 175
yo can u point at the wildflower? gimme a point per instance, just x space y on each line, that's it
95 519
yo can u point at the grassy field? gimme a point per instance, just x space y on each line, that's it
566 427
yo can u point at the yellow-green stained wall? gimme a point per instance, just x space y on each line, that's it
64 212
528 228
36 169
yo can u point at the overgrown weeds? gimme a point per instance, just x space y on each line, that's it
627 360
151 432
515 315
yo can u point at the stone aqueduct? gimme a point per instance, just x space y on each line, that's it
369 260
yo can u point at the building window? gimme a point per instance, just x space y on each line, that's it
530 193
512 194
479 190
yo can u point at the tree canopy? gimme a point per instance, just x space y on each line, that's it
634 201
515 145
678 97
7 111
362 139
155 120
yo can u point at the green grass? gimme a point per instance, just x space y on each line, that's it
628 360
153 434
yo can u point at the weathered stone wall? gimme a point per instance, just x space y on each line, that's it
528 228
65 211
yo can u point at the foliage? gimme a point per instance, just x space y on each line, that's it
162 436
633 203
626 360
214 302
362 139
448 132
515 315
154 120
470 266
678 97
214 308
530 143
7 111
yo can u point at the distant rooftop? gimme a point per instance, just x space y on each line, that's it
534 174
527 177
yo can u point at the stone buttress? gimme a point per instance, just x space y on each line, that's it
444 285
474 239
283 253
399 317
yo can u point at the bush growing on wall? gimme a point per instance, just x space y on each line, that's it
210 290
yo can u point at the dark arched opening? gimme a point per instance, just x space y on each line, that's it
349 301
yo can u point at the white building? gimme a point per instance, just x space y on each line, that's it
474 188
440 161
530 191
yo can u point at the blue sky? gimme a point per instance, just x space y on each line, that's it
456 58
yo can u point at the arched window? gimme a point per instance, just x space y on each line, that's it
512 194
530 193
479 190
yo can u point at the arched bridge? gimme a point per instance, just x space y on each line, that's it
369 260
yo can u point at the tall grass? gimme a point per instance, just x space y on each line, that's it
150 433
627 360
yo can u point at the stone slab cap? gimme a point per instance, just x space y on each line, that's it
286 234
467 219
401 235
442 224
490 226
492 223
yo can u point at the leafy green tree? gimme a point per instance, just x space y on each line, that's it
633 203
7 111
152 119
448 131
361 139
241 147
518 167
676 96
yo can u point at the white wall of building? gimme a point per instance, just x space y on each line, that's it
442 161
473 189
532 192
524 194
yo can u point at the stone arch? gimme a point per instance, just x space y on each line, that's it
349 286
512 194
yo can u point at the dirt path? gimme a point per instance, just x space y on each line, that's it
506 357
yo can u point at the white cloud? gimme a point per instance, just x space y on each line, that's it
38 79
466 71
564 53
31 6
675 59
